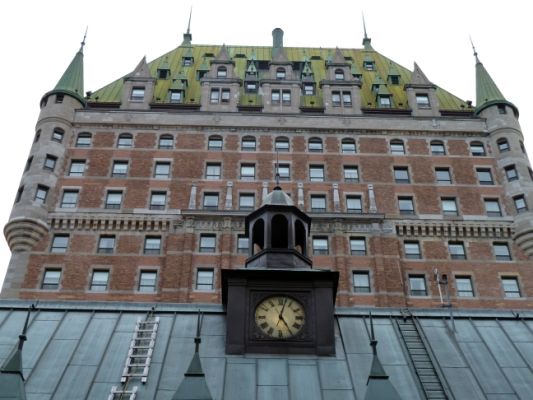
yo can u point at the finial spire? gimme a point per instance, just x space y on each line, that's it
84 37
366 39
189 24
187 36
373 341
277 169
364 25
474 48
198 339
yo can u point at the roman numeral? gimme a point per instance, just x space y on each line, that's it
271 303
299 317
263 325
261 316
280 301
270 331
296 310
264 308
296 326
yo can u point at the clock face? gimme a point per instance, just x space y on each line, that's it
280 317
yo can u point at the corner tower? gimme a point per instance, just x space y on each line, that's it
28 222
506 140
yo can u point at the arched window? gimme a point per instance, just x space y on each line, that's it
437 148
83 139
280 232
248 143
125 141
397 147
258 236
348 146
57 135
315 145
477 149
503 145
339 74
280 73
166 142
282 144
214 143
300 238
222 72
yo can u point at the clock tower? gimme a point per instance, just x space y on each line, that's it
278 303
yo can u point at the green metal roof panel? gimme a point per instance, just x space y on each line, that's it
317 56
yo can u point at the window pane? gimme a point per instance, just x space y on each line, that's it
147 281
354 204
417 285
443 175
120 169
246 202
396 147
83 140
166 142
59 244
457 251
449 206
158 200
437 148
215 143
316 173
210 201
492 208
204 279
242 244
113 200
248 144
106 244
318 203
510 287
77 168
69 199
358 246
477 149
282 144
207 243
320 246
162 170
401 175
51 279
152 245
247 171
125 141
99 281
348 146
351 174
361 282
412 250
284 171
464 286
502 252
406 206
315 145
212 171
484 176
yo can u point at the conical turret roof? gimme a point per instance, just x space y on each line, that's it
487 93
71 82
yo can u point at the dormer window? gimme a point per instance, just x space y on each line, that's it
394 79
251 87
186 61
369 65
222 72
384 102
280 73
309 89
163 73
422 100
176 96
137 94
339 75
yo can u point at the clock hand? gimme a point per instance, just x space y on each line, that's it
282 308
287 325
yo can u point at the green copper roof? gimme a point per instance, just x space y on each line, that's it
240 56
487 93
71 82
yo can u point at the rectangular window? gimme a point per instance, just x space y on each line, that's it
210 201
354 204
120 169
464 286
282 144
248 144
152 245
125 141
406 205
511 173
137 94
215 96
147 281
412 250
106 244
246 201
511 289
162 170
99 281
437 148
477 149
77 168
208 243
59 244
401 175
51 279
83 140
242 244
397 147
57 135
443 176
316 173
417 285
50 162
248 172
212 171
226 95
320 245
357 246
205 279
113 199
251 87
502 251
484 176
275 97
384 101
214 143
309 89
351 173
449 206
176 96
158 200
422 100
457 250
336 99
166 142
286 97
520 203
318 203
284 171
492 208
69 199
361 282
346 99
40 194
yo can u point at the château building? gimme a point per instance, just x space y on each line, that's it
142 199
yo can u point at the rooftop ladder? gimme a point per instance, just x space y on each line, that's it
122 394
141 349
427 375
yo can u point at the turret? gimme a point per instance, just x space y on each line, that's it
506 140
35 197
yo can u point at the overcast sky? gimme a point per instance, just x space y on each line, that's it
38 39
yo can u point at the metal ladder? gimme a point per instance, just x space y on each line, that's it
428 377
122 394
141 349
